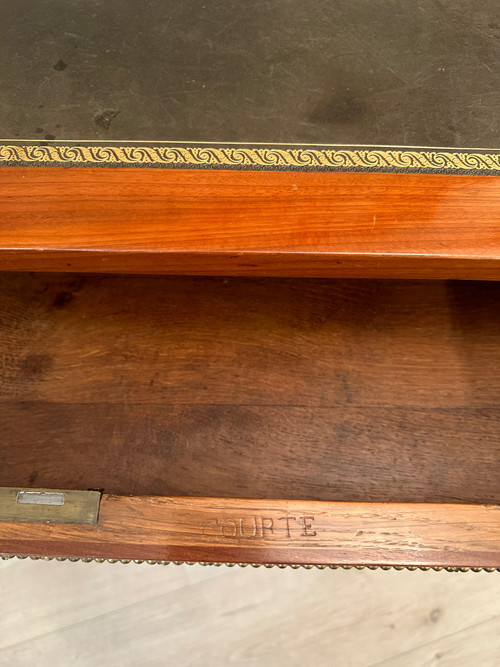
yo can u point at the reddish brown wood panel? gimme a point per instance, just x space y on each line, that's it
340 453
249 223
272 531
246 387
312 343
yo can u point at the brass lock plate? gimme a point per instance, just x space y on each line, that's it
49 505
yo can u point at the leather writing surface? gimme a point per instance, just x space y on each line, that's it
371 84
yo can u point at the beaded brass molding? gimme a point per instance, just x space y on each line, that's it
294 566
258 157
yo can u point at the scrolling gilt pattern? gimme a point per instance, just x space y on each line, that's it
256 157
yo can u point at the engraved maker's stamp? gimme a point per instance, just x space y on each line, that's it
260 527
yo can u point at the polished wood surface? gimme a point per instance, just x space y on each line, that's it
249 223
300 389
271 531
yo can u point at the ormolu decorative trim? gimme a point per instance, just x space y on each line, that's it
294 566
253 157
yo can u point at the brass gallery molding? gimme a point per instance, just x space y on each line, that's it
258 157
294 566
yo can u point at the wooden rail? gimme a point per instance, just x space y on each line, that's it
271 531
249 223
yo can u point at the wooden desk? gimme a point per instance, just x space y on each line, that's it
199 204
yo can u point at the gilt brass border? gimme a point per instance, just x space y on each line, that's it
253 157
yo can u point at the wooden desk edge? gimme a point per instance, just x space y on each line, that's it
271 264
271 531
203 222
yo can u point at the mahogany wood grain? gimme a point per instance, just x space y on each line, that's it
248 387
358 454
249 223
271 531
249 341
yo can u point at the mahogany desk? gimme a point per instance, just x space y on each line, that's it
248 298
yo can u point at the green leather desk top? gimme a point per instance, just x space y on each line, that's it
336 84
